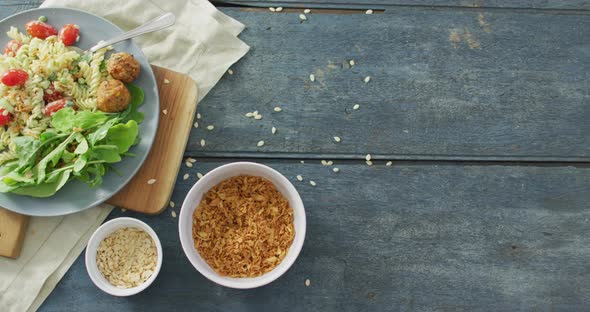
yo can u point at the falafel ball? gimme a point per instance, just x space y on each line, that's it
123 66
113 96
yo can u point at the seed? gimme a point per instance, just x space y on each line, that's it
367 79
337 139
272 9
307 282
279 9
368 157
260 143
258 117
369 163
166 81
210 127
312 183
336 169
151 181
192 160
302 17
329 163
356 106
172 204
255 113
406 131
165 112
351 62
173 213
185 176
325 163
249 115
389 163
229 71
273 130
196 124
307 11
302 161
299 178
202 142
199 175
369 12
188 164
312 77
278 109
198 115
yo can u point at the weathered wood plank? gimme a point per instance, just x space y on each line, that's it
448 84
445 85
392 4
407 237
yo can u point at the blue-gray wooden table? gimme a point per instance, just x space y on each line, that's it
483 109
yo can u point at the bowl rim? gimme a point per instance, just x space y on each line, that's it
92 268
295 248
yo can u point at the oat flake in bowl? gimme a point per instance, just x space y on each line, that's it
127 257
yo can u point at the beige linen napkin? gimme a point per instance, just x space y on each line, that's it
203 43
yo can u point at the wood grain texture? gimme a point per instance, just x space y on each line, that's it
179 99
444 85
393 4
12 233
410 237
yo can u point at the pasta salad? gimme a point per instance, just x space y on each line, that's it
64 114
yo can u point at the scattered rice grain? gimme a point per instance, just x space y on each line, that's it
166 81
272 9
302 17
165 112
196 124
369 12
389 163
337 139
202 142
260 143
210 127
299 177
279 9
185 176
335 169
307 282
188 164
173 213
230 71
151 181
307 11
367 79
369 163
356 106
312 183
368 157
312 77
278 109
273 130
199 175
172 204
198 115
351 62
258 117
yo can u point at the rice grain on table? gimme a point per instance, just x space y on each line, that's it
198 115
307 11
185 176
351 62
279 9
260 143
196 124
165 111
199 175
313 183
192 160
389 163
336 169
367 79
356 106
337 139
172 204
299 177
202 142
312 77
368 157
277 109
151 181
273 130
369 163
210 127
307 282
272 9
188 164
173 213
229 71
302 17
369 12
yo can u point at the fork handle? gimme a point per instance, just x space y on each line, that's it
160 22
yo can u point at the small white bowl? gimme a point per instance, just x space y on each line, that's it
214 177
101 233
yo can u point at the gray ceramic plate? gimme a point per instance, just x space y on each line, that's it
76 196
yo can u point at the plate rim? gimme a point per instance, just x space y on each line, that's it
151 77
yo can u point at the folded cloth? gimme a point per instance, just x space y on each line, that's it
203 44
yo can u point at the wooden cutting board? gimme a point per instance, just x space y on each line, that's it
178 96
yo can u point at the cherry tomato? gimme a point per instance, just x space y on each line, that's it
14 77
12 47
54 106
51 95
68 34
4 119
40 30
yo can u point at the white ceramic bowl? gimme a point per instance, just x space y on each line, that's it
214 177
101 233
